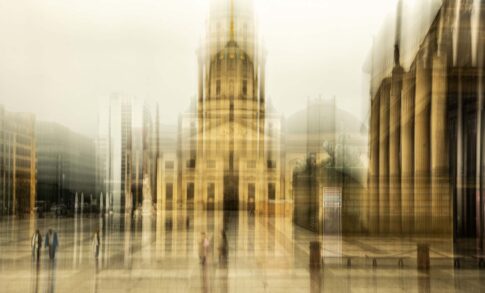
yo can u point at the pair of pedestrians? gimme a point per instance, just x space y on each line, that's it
205 247
51 243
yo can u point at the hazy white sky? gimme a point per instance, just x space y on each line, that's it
58 58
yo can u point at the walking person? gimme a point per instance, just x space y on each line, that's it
96 244
223 248
203 248
36 244
51 242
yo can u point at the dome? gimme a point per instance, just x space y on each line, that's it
324 118
231 50
231 74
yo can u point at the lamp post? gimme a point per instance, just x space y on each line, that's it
62 185
59 179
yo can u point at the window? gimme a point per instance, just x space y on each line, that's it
251 190
211 191
169 191
190 164
211 164
271 191
190 191
271 164
23 152
219 61
169 165
245 87
22 163
231 160
25 140
231 112
218 87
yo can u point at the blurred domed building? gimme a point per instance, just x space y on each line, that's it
326 159
236 152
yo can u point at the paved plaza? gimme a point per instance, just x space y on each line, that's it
266 254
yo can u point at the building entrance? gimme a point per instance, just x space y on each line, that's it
463 166
231 192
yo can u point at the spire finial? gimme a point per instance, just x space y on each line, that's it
231 29
397 55
398 22
397 43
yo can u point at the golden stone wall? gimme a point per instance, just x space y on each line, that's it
229 147
425 150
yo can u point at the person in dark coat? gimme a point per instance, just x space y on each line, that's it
51 242
223 248
96 244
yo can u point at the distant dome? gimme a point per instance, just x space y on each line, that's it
323 116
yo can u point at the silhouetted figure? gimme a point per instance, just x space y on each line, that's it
36 245
223 248
51 281
51 242
96 244
205 280
203 248
35 286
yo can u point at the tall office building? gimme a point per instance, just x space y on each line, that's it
65 165
126 153
17 162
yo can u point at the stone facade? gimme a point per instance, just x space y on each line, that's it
426 141
230 144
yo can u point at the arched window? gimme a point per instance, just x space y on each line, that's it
245 87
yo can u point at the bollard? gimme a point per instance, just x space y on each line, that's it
374 263
315 255
400 263
423 256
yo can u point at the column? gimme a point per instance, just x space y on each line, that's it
160 173
422 154
407 152
373 198
480 134
384 156
440 196
394 151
